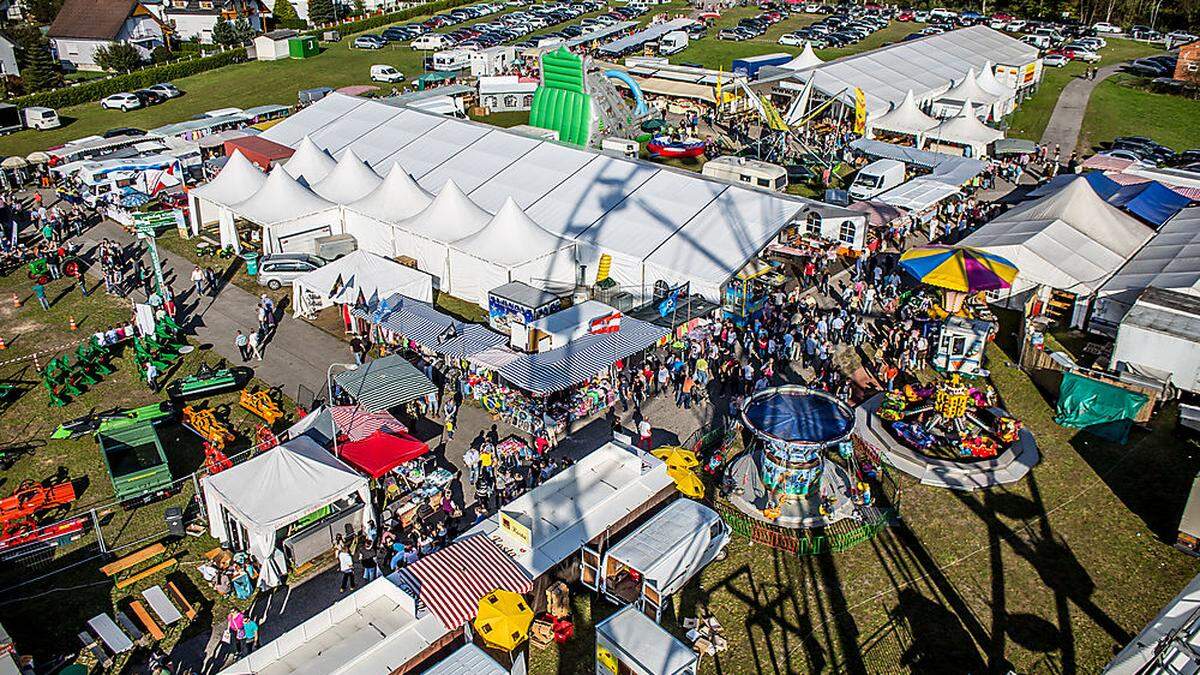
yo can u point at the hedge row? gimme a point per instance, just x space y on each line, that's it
380 20
94 90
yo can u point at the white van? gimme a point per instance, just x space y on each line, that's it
673 43
431 41
1039 41
452 59
877 178
943 14
384 73
747 171
41 118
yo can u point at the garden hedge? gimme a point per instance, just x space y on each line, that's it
94 90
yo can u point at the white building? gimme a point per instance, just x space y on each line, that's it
195 19
83 26
273 45
506 93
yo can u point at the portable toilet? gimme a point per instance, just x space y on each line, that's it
302 46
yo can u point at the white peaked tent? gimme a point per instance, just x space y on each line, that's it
370 219
426 237
511 247
965 131
237 181
1070 240
967 90
349 181
290 214
357 277
309 164
1008 96
805 59
906 118
263 495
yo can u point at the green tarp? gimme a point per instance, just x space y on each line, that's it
1098 407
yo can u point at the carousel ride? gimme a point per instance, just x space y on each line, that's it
803 469
949 432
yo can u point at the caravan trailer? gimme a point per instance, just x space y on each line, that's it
657 559
747 171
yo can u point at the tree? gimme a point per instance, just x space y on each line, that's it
321 11
224 34
160 54
360 7
43 11
118 57
284 12
242 30
39 70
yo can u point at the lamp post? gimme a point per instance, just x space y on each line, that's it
329 393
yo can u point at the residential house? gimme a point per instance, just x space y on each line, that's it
8 57
1187 68
83 26
195 19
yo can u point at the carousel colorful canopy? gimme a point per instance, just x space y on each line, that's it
958 268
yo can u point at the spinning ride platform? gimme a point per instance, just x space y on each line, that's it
790 478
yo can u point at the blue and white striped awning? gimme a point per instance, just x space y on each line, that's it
422 323
581 359
385 383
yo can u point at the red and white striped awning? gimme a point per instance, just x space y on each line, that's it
356 423
1106 163
451 582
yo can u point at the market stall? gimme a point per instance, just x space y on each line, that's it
284 505
518 302
385 383
963 134
906 121
357 279
416 324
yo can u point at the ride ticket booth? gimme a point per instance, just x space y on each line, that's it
961 345
630 643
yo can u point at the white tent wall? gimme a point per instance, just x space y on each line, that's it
372 235
299 235
431 256
474 276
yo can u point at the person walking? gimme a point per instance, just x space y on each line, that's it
198 280
235 628
255 347
645 432
369 564
243 344
40 291
210 280
152 376
250 635
346 567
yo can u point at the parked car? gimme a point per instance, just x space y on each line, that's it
732 34
1055 60
792 40
123 131
165 89
1080 52
369 42
386 73
1126 154
123 101
281 269
1105 27
41 118
149 98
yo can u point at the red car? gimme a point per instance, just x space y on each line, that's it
906 15
1001 16
1067 53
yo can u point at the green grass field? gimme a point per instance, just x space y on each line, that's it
1033 114
1120 107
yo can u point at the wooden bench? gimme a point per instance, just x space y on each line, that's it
119 567
189 610
147 621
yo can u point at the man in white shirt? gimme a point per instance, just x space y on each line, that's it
346 566
645 431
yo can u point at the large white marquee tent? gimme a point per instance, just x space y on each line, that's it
655 222
349 181
290 214
964 131
238 180
906 118
309 164
371 219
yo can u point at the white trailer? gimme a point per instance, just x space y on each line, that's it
1160 338
659 558
628 642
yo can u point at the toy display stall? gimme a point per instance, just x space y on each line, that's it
746 293
518 302
961 345
629 642
559 328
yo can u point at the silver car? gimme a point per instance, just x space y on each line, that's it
281 269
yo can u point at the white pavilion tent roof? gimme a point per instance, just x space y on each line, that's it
449 217
623 206
965 128
237 180
280 199
349 181
310 163
395 198
968 89
1070 240
987 80
510 238
927 66
905 118
804 60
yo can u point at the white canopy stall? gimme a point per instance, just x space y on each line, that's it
238 180
309 164
349 181
1008 95
967 91
291 215
371 219
249 504
358 277
907 119
426 237
963 134
804 60
510 248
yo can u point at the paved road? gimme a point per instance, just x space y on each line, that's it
1067 119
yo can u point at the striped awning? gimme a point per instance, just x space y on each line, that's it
451 582
385 383
581 359
422 323
358 424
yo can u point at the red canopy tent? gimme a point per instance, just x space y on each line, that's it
381 452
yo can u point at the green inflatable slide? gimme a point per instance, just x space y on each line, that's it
561 102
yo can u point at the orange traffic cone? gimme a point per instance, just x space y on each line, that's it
2 345
74 326
16 300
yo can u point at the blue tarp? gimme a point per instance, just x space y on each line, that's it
1126 194
1101 184
799 416
1157 204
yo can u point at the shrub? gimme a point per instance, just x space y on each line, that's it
94 90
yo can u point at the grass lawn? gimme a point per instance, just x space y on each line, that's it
1119 106
504 120
1033 114
1047 575
44 615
